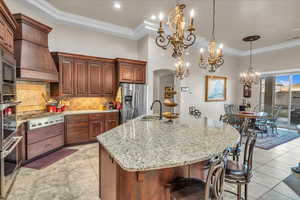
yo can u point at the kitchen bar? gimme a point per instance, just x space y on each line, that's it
139 157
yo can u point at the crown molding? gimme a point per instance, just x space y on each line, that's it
141 30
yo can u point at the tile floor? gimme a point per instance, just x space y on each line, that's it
76 177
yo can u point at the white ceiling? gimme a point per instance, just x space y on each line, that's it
276 20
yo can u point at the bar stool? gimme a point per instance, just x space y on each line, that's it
196 189
240 174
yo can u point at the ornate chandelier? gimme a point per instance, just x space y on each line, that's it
182 69
215 58
251 76
181 38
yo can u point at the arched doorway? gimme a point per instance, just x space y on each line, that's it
162 78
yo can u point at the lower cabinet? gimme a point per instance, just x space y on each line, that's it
85 128
42 140
96 127
77 129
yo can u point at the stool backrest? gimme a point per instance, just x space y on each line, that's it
216 176
249 149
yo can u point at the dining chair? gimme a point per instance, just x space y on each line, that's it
240 173
272 122
196 189
297 169
261 123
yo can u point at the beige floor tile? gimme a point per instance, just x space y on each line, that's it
257 190
265 180
273 195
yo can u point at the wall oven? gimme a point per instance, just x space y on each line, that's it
10 142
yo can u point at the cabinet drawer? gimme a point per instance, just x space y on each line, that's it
113 115
40 134
39 148
98 116
71 118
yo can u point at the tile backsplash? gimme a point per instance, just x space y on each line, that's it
87 103
33 97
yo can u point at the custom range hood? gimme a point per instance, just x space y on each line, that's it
34 61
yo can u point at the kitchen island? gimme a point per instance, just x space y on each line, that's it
138 158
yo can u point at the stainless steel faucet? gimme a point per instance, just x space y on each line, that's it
160 108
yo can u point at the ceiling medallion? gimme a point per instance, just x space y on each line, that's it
215 58
181 38
182 69
251 76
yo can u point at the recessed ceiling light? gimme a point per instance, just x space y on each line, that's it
153 17
117 5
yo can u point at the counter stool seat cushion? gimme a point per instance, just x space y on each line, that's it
235 169
187 189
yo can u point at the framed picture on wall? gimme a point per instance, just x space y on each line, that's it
215 88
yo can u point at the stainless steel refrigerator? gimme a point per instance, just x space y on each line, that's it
133 101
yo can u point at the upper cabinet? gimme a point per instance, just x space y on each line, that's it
84 76
8 27
131 71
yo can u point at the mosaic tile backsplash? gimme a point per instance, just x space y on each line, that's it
33 96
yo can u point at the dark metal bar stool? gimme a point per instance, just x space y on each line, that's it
240 174
196 189
297 169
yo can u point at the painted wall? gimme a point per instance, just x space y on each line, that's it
78 40
159 59
196 83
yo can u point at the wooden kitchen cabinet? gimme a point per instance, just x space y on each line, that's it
77 129
81 78
86 127
67 71
110 124
8 28
109 82
131 71
96 128
84 76
95 79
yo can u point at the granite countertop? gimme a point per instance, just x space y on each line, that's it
24 118
148 145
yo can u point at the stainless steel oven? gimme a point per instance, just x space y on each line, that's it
8 74
10 164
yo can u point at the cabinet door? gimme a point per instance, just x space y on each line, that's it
2 30
77 132
108 79
96 128
9 39
67 76
81 78
139 74
95 79
126 73
110 124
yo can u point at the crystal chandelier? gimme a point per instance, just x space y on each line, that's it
215 58
182 69
181 38
251 76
